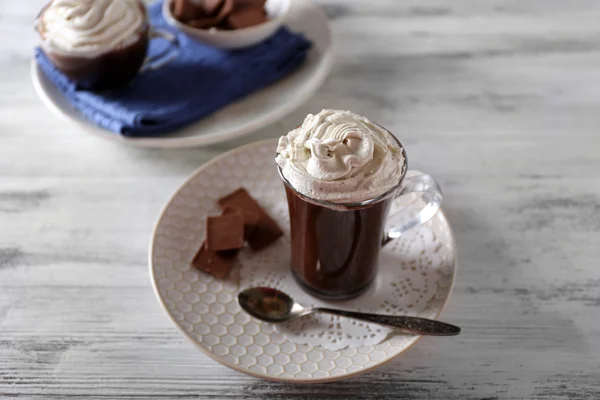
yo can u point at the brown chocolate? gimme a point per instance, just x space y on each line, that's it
184 10
226 9
207 21
225 232
221 14
245 17
250 3
266 230
250 219
211 7
217 264
204 22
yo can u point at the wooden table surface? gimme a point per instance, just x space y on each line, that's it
500 100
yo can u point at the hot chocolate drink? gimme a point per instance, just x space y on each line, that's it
340 171
99 44
335 253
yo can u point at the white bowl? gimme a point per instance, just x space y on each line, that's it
239 38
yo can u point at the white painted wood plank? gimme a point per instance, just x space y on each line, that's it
497 99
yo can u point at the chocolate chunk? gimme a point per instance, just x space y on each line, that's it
226 9
205 21
222 14
266 230
246 17
250 219
210 7
184 10
225 232
217 264
260 4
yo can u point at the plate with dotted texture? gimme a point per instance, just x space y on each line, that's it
205 308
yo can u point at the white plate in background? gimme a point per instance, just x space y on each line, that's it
240 118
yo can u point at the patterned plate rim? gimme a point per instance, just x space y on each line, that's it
240 368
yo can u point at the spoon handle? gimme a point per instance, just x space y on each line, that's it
414 325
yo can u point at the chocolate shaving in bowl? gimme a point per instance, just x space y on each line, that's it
184 10
245 17
211 7
221 14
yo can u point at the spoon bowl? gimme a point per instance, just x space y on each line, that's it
275 306
270 305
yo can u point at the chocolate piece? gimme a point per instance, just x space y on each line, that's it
250 4
210 7
250 219
226 9
221 14
246 17
184 10
225 232
217 264
205 22
266 230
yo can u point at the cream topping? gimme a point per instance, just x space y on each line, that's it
91 27
341 157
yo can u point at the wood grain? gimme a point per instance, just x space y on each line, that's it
497 99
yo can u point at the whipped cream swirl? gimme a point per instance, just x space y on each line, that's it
91 27
340 157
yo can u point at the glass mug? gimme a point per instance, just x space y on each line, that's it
336 246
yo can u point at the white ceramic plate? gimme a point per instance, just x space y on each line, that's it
205 309
237 119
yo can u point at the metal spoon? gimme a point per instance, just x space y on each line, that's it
272 305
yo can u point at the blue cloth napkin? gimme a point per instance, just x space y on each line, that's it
201 80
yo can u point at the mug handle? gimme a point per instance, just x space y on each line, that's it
427 201
159 60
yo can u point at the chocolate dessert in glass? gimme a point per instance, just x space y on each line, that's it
341 173
98 44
